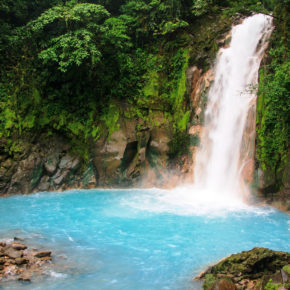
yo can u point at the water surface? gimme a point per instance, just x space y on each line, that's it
134 239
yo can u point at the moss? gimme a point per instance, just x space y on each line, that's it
151 88
194 140
260 99
36 175
182 120
254 263
177 95
258 264
179 144
88 174
272 146
271 286
204 46
210 279
286 269
110 119
80 148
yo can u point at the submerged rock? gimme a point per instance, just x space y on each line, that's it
18 262
42 254
12 253
249 270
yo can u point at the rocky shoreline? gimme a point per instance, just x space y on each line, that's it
257 269
19 262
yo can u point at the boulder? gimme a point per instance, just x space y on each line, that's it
69 162
42 254
12 253
51 163
60 177
44 183
21 263
252 264
249 268
18 246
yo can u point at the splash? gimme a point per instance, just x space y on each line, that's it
218 163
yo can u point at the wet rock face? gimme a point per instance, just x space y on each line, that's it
121 159
249 269
274 188
18 262
124 158
44 166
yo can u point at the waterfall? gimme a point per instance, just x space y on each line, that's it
218 162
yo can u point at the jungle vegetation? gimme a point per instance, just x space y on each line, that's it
67 65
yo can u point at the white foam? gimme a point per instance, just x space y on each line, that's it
185 201
57 275
218 162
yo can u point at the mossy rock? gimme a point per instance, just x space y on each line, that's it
252 264
258 265
210 280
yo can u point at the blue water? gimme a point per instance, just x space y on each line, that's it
132 239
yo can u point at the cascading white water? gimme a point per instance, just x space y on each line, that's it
217 165
218 186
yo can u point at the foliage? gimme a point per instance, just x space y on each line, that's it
271 286
286 269
179 144
210 279
66 65
200 7
273 104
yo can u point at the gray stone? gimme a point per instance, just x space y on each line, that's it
51 164
12 253
285 277
61 178
44 183
66 161
75 164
